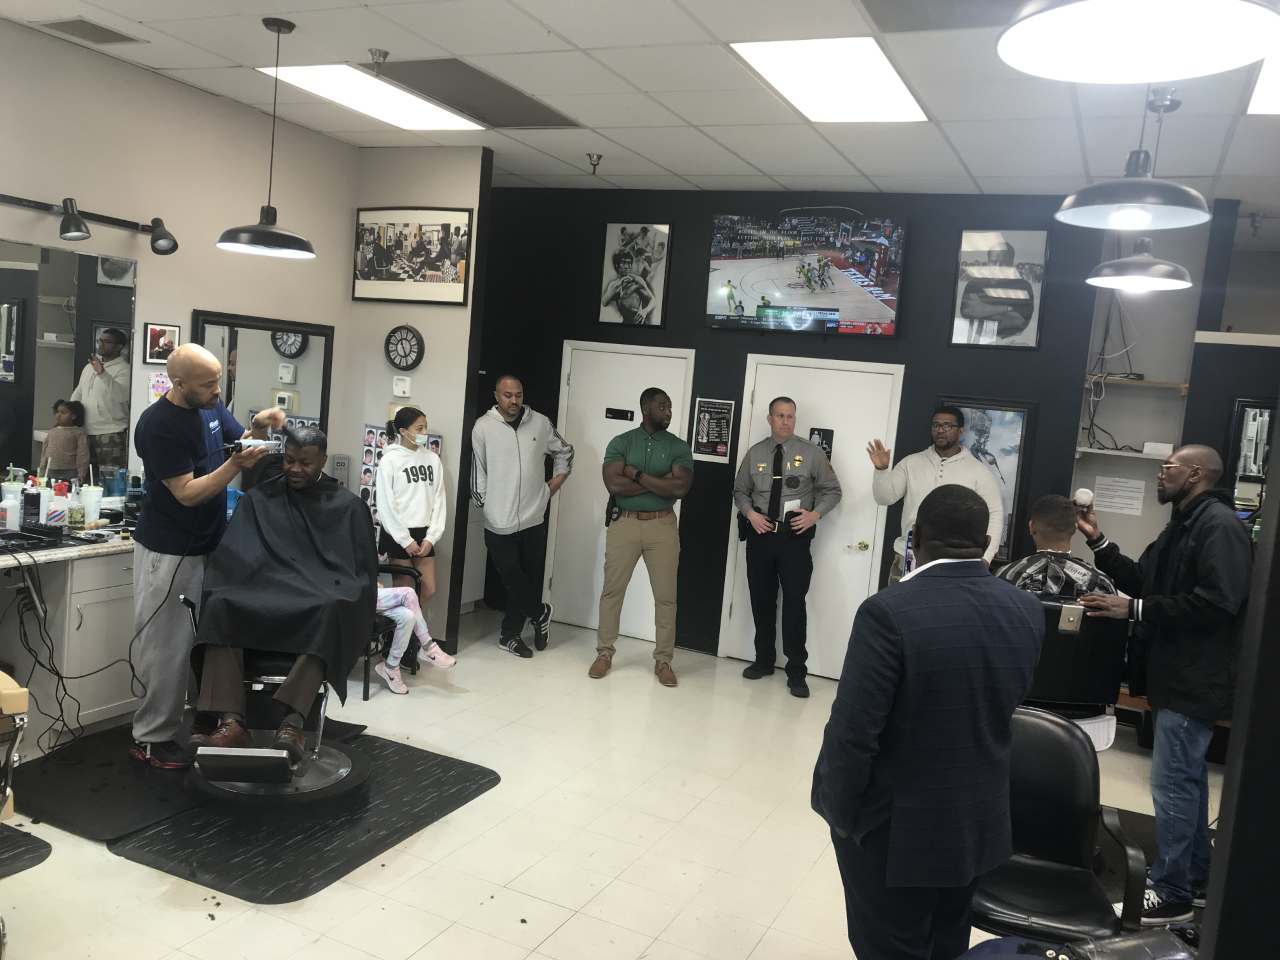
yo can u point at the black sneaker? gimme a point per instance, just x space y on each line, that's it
515 645
540 627
798 687
163 756
1158 913
1199 901
757 670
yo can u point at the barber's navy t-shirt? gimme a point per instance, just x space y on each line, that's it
173 441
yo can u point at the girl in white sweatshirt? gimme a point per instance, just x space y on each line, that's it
411 509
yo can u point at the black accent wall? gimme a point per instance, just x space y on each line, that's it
544 287
1222 373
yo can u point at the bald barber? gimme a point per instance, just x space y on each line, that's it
1186 605
180 439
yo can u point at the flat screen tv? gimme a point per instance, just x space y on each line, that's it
806 269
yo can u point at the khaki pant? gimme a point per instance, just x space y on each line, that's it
626 541
895 571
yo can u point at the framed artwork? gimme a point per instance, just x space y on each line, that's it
99 327
160 340
1000 434
113 272
633 285
412 254
999 283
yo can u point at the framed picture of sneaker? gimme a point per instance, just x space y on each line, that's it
412 254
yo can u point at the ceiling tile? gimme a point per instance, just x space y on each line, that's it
158 50
326 117
695 67
1015 148
729 107
266 8
145 10
572 146
734 20
664 181
473 27
39 11
1261 194
895 149
944 56
240 83
903 15
791 150
1254 148
1026 99
383 138
626 24
511 180
1189 146
519 159
1049 186
1126 100
681 150
1201 96
926 184
610 109
243 40
347 34
547 74
758 182
854 184
573 182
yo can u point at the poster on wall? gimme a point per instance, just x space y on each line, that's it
999 281
412 254
375 440
158 385
824 438
712 429
160 340
634 283
999 433
114 272
807 270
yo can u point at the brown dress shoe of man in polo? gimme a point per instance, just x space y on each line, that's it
600 667
230 733
292 740
666 676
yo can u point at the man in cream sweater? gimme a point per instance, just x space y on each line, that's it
917 474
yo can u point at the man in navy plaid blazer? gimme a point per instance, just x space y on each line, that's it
913 777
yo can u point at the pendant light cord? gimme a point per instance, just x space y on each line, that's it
275 89
1141 136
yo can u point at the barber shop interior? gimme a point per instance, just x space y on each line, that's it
648 480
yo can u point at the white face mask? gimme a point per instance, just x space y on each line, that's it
421 439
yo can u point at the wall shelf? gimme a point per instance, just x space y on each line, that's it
1120 453
1125 382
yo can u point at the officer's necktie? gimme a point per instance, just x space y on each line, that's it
775 492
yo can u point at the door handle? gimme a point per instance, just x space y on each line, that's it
80 622
863 545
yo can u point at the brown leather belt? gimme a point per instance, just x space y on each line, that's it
648 516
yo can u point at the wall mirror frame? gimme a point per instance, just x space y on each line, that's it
1251 430
287 336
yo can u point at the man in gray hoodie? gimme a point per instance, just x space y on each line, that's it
509 447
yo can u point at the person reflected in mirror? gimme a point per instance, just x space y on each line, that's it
104 390
65 453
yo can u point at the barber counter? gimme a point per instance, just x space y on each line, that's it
87 596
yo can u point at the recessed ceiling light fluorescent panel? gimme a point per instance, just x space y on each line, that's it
357 90
845 80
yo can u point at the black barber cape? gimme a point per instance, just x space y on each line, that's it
296 572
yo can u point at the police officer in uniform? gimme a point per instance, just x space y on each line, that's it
775 471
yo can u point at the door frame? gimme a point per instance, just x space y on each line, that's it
562 412
754 360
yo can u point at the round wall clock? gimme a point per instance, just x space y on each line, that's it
404 347
289 345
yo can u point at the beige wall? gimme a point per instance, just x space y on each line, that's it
1253 293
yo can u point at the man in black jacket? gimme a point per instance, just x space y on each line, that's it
1187 601
913 777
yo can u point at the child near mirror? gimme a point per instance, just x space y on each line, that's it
65 455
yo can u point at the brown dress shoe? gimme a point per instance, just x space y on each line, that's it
292 740
229 733
666 676
600 667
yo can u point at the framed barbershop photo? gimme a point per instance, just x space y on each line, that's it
412 254
1000 434
999 286
160 340
633 284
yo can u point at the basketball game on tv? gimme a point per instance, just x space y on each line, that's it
809 269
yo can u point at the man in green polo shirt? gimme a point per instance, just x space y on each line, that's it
647 470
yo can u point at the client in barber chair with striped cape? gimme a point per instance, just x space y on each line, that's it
295 574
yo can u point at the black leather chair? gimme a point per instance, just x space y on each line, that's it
384 629
1047 890
1081 661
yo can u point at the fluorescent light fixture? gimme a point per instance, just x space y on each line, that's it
367 94
1266 92
846 80
1137 41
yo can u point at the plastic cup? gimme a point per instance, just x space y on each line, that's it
12 491
91 497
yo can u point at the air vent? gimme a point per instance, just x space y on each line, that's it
88 31
895 16
473 93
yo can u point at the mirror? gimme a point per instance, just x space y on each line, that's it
64 313
1250 450
269 363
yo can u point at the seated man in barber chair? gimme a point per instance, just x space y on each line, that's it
296 573
1052 573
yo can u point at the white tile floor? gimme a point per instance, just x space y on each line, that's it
632 821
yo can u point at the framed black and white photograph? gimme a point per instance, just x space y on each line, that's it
633 286
160 340
1000 433
412 254
999 283
113 272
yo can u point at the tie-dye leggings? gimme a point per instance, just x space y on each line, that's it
401 605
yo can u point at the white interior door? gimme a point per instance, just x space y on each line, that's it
601 385
856 401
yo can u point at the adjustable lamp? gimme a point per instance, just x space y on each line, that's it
73 226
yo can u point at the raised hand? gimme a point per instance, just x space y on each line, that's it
880 457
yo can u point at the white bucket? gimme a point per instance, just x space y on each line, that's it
1101 730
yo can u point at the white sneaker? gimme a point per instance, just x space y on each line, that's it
435 656
392 676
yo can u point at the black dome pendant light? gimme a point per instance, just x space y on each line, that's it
264 238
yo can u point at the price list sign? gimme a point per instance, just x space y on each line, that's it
712 422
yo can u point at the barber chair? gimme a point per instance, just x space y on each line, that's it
1047 890
384 629
13 721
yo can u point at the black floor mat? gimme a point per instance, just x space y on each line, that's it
19 850
293 853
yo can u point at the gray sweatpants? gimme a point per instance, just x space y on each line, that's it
163 659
